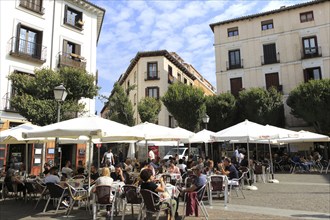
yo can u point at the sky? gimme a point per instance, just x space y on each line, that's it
180 26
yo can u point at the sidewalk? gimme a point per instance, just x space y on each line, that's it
297 196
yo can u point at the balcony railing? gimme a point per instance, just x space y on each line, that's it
231 66
152 75
270 60
8 107
29 4
311 52
71 60
28 50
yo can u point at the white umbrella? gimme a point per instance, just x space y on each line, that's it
305 136
203 136
246 131
92 127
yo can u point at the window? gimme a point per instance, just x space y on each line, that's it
170 75
185 81
152 92
232 31
265 25
179 77
234 59
171 121
312 73
236 86
152 70
128 85
73 17
270 55
310 47
306 16
272 80
71 48
28 41
33 5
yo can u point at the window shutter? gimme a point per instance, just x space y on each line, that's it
65 14
65 47
305 75
39 44
77 49
18 32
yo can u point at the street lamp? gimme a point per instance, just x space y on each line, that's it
206 120
60 94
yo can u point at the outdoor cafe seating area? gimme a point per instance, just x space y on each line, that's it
78 191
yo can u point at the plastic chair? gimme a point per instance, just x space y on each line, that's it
152 203
55 192
105 197
200 195
131 196
238 183
216 182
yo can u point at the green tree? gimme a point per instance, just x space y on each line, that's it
186 104
222 110
149 109
120 107
34 97
311 102
261 106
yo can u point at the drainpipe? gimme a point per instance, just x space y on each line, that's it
52 38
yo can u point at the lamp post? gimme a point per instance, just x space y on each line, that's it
60 94
206 120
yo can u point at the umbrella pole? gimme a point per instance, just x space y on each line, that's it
250 187
26 159
89 164
271 159
98 157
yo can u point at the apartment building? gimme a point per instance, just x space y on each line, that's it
281 48
152 72
45 33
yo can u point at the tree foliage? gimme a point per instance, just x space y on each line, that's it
222 110
311 102
121 109
261 106
149 109
186 104
34 96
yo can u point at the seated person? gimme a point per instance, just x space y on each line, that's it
173 169
128 165
209 169
94 174
12 177
118 175
105 179
66 170
228 169
52 176
149 183
199 181
182 166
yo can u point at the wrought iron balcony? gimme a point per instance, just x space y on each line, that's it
270 60
71 60
237 65
31 5
311 52
27 50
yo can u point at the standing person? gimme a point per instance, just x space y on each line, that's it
151 155
108 157
121 156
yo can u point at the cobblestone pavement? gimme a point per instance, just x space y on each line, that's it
296 196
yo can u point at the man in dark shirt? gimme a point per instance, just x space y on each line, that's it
228 169
94 174
118 174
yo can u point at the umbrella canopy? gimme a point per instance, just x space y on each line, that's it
184 132
246 131
14 135
158 132
305 136
203 136
95 127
